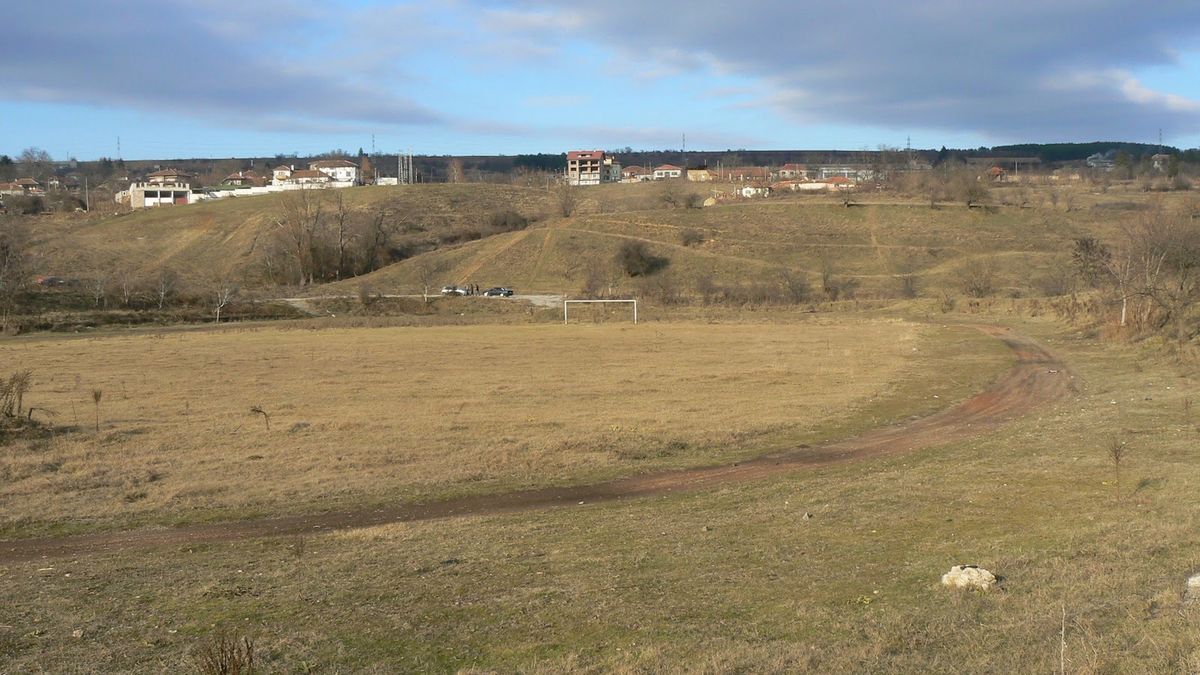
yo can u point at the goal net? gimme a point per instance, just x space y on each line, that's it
597 308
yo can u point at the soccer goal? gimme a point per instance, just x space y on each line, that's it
567 305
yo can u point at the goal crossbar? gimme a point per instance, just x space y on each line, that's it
567 303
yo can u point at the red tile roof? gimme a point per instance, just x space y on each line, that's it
309 173
585 154
330 163
667 167
168 172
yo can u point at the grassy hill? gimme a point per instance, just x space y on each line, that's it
232 236
441 234
883 250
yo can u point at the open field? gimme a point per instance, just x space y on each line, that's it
372 415
726 579
467 485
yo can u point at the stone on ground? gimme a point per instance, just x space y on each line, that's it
969 577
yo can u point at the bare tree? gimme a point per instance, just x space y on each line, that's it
1117 450
166 284
299 229
343 232
1098 265
428 270
568 199
1166 251
98 287
35 163
376 239
224 291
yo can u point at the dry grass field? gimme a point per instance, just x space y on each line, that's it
724 580
824 568
373 415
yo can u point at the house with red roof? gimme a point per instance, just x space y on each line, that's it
666 171
592 167
792 171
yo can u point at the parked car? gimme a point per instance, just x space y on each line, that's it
498 292
453 290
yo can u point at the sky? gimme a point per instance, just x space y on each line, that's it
207 78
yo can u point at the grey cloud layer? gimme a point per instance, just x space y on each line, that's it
1011 70
253 65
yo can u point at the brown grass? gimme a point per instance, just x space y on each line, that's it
387 414
720 581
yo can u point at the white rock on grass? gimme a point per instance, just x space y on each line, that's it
969 576
1191 595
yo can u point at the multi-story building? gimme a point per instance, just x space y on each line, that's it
585 167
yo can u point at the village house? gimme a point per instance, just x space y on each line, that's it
169 177
667 171
22 186
636 174
699 174
244 179
1161 161
164 187
281 173
338 170
742 174
792 171
310 178
592 167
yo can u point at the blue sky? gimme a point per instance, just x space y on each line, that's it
206 78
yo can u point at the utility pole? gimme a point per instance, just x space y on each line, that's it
87 202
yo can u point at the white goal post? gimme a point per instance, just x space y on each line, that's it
567 303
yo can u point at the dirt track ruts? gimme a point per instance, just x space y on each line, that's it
1038 378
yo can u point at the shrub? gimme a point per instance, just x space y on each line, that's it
796 287
366 295
691 236
12 394
635 259
907 284
507 220
223 654
978 280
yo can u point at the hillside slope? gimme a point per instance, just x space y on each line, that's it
880 248
231 237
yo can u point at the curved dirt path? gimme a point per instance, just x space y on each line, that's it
1037 379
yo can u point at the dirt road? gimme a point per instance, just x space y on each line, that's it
1037 379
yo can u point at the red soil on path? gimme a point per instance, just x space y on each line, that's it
1037 379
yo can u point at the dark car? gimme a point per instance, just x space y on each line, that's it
498 292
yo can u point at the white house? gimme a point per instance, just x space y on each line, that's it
338 170
667 171
281 173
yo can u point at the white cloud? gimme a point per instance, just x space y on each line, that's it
972 67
